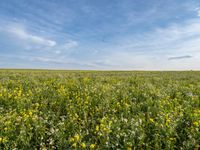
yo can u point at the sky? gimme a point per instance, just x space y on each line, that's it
100 34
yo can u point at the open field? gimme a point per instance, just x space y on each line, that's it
99 110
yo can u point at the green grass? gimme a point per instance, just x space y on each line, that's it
43 109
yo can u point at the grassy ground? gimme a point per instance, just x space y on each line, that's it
41 109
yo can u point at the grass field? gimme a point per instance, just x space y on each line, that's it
99 110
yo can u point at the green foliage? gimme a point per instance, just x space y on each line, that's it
99 110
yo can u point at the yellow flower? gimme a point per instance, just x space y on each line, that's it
106 129
77 137
4 90
167 122
74 145
127 105
172 139
3 140
102 125
92 146
30 113
97 128
151 120
83 145
129 148
196 123
71 139
19 93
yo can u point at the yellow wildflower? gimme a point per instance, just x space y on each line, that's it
151 120
129 148
77 137
97 128
196 123
30 113
83 145
3 140
74 145
172 139
92 146
71 139
127 105
19 93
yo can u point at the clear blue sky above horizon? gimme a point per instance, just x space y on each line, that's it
100 34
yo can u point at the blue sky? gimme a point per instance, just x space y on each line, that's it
100 34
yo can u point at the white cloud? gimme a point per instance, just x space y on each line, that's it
198 13
21 37
22 34
151 50
46 60
57 52
70 44
62 63
65 48
147 51
171 39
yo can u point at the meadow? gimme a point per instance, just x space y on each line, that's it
41 109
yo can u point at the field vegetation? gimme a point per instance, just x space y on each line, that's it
42 109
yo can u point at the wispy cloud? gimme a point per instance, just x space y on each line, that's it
101 35
65 63
155 48
36 42
21 33
198 12
161 42
69 44
180 57
46 60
